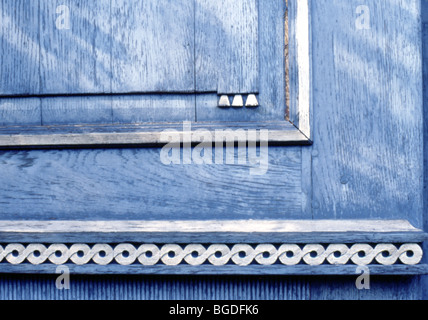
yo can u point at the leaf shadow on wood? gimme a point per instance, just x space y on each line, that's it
367 98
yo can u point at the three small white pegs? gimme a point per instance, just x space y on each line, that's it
238 101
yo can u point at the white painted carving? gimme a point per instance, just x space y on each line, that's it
252 101
238 101
216 254
224 102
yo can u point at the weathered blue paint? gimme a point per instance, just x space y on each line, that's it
271 72
19 68
367 155
132 184
366 162
227 46
208 288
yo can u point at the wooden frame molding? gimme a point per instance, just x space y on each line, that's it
216 254
212 247
149 135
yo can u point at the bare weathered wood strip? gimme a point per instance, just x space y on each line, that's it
211 231
147 138
147 127
216 237
210 226
271 133
271 74
272 61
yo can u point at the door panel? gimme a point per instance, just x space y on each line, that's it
133 184
152 49
148 48
75 45
227 59
19 45
268 79
86 47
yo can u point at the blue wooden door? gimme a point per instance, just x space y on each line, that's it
135 61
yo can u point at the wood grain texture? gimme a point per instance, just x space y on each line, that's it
424 282
193 231
20 111
212 226
300 65
213 237
19 47
153 108
271 75
258 270
77 110
143 135
157 287
75 59
424 11
153 46
106 47
133 184
226 46
154 127
368 111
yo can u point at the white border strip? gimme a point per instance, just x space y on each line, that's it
209 226
303 62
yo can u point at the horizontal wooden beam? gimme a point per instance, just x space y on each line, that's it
273 133
215 231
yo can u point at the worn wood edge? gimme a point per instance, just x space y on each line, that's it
212 238
280 125
304 226
256 270
144 136
303 61
230 231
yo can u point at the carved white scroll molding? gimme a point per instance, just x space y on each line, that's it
217 255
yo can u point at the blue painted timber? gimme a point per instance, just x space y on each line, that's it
367 160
